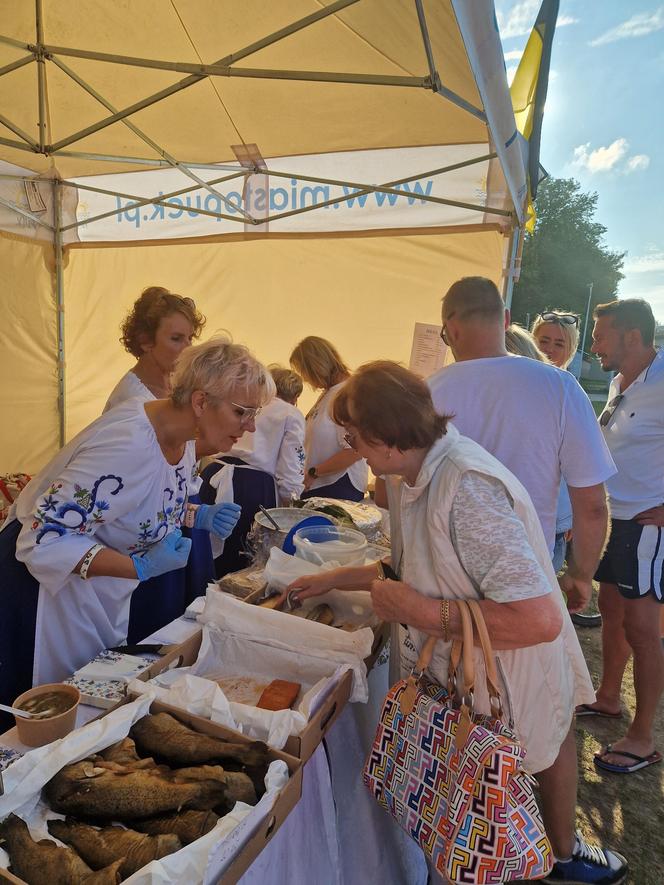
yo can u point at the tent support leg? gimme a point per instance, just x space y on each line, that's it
60 308
511 272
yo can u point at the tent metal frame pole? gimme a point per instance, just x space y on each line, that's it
41 75
10 41
34 147
19 146
21 211
142 161
60 308
386 189
437 85
228 71
147 201
15 65
516 237
146 138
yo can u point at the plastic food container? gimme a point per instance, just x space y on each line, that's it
38 732
263 536
321 544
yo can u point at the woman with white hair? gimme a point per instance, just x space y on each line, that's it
106 513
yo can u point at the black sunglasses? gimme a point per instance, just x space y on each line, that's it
607 414
563 319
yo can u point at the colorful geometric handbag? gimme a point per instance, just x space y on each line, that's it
453 779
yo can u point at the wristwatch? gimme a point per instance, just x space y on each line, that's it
312 473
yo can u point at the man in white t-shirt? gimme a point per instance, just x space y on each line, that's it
539 423
631 573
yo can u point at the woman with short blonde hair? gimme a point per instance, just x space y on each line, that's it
332 468
106 514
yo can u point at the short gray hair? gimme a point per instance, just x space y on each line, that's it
217 367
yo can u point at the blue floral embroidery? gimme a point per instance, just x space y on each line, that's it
56 517
169 516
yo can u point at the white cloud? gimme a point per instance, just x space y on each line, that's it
654 295
651 262
510 71
638 162
637 26
606 159
601 159
513 55
521 17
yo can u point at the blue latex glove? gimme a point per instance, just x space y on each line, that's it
166 555
220 519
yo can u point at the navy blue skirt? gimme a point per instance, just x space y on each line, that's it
18 620
343 490
250 488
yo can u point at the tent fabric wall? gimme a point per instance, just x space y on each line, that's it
29 390
364 294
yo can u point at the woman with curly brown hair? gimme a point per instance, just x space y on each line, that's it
156 331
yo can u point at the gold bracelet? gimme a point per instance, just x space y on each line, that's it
445 619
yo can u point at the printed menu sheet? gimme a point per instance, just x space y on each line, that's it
428 350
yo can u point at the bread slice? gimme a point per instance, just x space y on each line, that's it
279 695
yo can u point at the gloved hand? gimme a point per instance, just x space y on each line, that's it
220 519
166 555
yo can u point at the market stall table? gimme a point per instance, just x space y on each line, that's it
336 834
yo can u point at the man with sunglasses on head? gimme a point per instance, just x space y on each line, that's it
537 421
631 573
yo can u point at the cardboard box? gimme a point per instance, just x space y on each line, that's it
286 800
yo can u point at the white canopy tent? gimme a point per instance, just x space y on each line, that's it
366 159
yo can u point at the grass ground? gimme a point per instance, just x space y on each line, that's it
623 811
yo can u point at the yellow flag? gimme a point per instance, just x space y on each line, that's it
528 92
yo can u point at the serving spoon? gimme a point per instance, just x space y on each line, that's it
268 516
22 713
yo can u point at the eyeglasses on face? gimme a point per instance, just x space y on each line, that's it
443 335
607 414
247 412
563 319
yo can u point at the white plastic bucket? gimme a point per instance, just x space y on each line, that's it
321 544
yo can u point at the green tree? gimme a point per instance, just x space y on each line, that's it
564 254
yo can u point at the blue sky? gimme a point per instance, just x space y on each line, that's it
604 120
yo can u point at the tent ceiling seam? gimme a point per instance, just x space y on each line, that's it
210 80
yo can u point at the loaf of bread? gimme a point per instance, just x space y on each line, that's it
279 695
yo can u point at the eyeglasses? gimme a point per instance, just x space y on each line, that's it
443 335
351 440
247 412
563 319
607 414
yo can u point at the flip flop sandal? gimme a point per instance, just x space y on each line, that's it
638 762
587 710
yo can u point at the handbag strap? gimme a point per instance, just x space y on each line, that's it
489 657
460 648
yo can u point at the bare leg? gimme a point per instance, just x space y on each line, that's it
615 648
558 798
642 632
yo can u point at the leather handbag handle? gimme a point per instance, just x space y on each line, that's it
489 656
462 648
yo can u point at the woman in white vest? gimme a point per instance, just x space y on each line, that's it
463 527
332 468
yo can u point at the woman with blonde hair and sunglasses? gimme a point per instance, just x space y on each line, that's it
332 468
557 335
156 331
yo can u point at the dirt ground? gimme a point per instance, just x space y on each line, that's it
625 812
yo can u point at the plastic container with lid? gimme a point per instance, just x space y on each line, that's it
321 544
